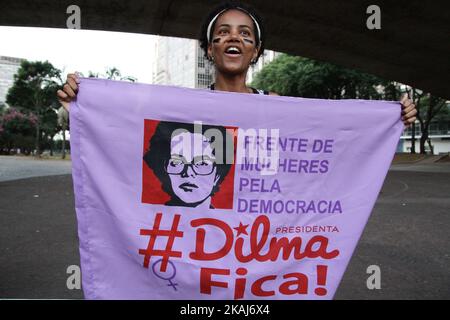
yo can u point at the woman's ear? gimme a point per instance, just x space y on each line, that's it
209 51
255 53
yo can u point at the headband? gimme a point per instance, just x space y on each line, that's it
208 31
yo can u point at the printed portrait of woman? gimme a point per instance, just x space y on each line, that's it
191 163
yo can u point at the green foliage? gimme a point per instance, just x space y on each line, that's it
111 73
49 127
17 130
444 114
34 91
433 115
35 84
59 144
435 107
114 74
93 74
302 77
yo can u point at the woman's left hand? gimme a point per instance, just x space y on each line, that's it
409 110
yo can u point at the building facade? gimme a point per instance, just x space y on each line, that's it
181 62
439 135
8 68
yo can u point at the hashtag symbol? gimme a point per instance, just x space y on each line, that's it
154 233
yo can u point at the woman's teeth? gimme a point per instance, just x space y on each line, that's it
232 50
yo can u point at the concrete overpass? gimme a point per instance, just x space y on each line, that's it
412 46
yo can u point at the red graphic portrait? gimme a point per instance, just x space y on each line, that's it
189 165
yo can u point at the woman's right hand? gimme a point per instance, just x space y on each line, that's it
69 90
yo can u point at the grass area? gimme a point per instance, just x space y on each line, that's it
55 157
445 158
407 158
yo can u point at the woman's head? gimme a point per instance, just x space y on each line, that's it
228 27
189 161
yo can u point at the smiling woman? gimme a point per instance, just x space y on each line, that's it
232 37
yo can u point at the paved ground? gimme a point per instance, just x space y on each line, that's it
38 237
13 168
407 236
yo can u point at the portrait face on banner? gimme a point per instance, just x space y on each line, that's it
193 163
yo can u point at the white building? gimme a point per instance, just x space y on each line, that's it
181 62
439 135
8 68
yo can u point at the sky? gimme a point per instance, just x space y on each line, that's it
82 50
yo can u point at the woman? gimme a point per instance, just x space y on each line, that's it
233 37
190 175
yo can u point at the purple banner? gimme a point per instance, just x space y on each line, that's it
198 194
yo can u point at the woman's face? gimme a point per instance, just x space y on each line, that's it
192 170
233 28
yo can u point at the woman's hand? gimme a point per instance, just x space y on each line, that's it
409 110
69 90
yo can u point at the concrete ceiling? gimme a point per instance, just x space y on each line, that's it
412 47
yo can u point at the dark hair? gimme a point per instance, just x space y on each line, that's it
203 37
159 151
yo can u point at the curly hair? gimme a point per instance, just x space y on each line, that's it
203 37
159 151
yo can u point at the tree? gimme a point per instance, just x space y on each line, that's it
35 84
49 128
112 73
430 110
17 131
63 123
298 76
302 77
416 100
430 106
93 74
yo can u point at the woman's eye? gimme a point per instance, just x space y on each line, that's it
203 163
175 162
223 31
245 33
